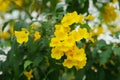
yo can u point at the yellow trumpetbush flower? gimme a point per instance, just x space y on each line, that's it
109 13
114 1
4 35
80 64
71 18
77 56
37 35
55 42
76 35
56 53
61 27
60 31
4 4
69 41
29 74
60 34
81 19
97 31
22 36
83 32
80 34
68 63
90 37
114 29
18 2
90 17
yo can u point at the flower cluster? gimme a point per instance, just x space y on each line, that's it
64 42
6 3
23 35
110 13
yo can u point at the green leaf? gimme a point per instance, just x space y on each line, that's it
20 24
5 24
58 6
86 26
100 43
2 52
116 50
27 63
80 74
37 60
117 34
79 44
105 55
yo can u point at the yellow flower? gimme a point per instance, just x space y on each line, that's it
22 36
83 32
81 19
29 74
18 2
109 14
12 28
69 41
97 31
56 53
60 31
90 17
114 29
55 42
71 18
4 4
114 1
68 63
90 37
76 56
80 34
76 35
61 27
80 64
4 35
79 55
36 35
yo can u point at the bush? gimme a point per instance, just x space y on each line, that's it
59 40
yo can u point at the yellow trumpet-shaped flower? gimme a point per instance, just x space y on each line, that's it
71 18
22 36
29 74
90 17
37 35
4 35
75 57
109 14
97 31
114 1
80 34
4 4
56 53
18 2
